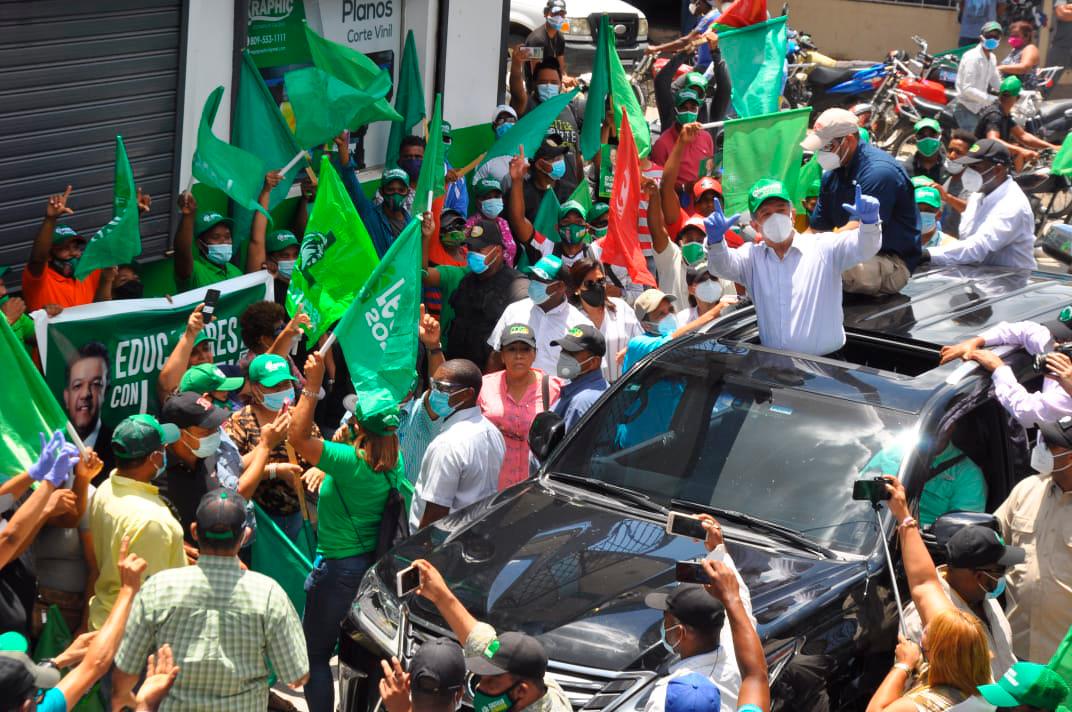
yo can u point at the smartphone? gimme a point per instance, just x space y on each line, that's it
212 296
685 525
871 489
407 580
690 572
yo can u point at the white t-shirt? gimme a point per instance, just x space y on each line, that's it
617 328
547 326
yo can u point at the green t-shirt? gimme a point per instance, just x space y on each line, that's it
207 273
449 279
961 487
350 479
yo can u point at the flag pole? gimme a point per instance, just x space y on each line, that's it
713 125
327 344
471 165
189 183
75 438
292 162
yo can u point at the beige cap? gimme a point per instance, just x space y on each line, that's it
831 124
648 301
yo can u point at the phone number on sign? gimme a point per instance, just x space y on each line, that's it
267 39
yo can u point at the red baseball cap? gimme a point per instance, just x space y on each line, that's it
705 184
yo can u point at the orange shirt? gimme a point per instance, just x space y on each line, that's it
51 287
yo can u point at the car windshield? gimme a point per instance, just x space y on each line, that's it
743 429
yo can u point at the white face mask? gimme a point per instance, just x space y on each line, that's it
952 167
1041 458
828 160
208 445
972 180
777 228
709 291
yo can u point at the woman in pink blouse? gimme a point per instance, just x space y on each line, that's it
511 399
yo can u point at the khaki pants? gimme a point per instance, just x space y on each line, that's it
878 276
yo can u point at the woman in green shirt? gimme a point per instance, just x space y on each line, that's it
357 480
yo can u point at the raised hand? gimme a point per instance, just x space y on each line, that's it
865 209
394 687
89 464
519 167
427 225
61 503
131 566
428 330
196 321
314 370
717 224
689 132
145 201
275 432
57 205
51 449
160 674
187 203
271 180
13 308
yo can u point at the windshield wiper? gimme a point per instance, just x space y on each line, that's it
632 496
776 530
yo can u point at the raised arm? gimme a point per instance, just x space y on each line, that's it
435 589
660 238
301 423
429 273
747 648
89 464
293 330
722 261
923 582
272 434
520 226
519 98
184 238
671 202
255 254
664 89
42 244
175 366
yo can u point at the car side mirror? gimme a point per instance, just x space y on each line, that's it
944 527
545 433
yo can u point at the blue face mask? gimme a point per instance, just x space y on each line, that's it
990 43
219 254
274 401
927 222
558 169
491 207
662 639
163 467
439 402
546 91
667 325
538 292
998 589
477 262
556 21
503 128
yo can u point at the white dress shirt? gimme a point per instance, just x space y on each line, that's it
461 465
798 297
548 326
977 72
617 328
1046 406
996 229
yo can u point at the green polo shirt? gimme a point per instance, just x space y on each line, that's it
207 273
961 487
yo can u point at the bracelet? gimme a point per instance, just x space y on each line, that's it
908 523
903 666
271 471
310 394
436 350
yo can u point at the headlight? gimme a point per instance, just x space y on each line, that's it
642 29
376 608
576 26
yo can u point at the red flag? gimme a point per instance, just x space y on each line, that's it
743 13
621 246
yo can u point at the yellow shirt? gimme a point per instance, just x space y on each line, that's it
1038 517
125 507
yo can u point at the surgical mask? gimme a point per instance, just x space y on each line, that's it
208 445
286 267
693 253
220 254
928 146
477 262
665 326
538 292
777 228
163 467
708 291
1041 458
998 589
558 169
990 43
483 702
666 643
1017 42
394 201
927 222
686 117
275 401
573 234
503 128
491 207
594 296
546 91
412 167
132 289
439 402
972 180
569 367
828 160
952 167
452 238
556 21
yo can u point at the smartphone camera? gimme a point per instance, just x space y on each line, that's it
407 581
870 489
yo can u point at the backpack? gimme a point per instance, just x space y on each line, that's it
394 524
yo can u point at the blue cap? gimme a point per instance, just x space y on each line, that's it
692 693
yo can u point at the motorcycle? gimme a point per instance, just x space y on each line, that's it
1048 193
811 77
904 97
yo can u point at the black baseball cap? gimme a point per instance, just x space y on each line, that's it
483 233
514 653
517 332
188 410
690 604
221 515
978 547
437 668
20 677
1058 433
986 149
583 338
551 147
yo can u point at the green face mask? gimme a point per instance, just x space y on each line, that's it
573 234
394 201
483 702
928 146
599 232
687 117
453 238
693 253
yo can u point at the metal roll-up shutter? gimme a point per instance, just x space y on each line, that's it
72 76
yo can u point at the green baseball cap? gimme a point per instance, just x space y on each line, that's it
13 642
922 182
929 195
445 131
814 188
394 174
686 95
598 210
1028 684
210 219
270 370
485 185
546 270
279 240
696 80
991 26
927 123
207 378
571 206
140 435
201 338
379 417
1011 85
63 233
763 190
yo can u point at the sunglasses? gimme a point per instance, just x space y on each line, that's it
593 283
447 386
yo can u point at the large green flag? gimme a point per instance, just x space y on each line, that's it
27 408
755 59
336 256
409 100
118 242
324 106
353 68
260 128
431 183
609 79
1062 162
530 128
809 173
378 334
275 555
762 147
583 195
545 221
236 172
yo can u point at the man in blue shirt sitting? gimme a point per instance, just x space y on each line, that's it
848 163
580 362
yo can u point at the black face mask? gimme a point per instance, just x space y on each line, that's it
128 290
595 296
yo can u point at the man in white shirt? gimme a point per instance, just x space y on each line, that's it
793 278
977 74
461 465
998 226
546 311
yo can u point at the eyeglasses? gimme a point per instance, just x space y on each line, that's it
594 283
447 386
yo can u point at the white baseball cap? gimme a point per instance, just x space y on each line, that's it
831 124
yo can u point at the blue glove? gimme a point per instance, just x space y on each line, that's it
865 209
62 467
717 224
50 452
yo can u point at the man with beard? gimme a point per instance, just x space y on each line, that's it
83 399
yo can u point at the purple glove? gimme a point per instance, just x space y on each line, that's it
61 469
50 451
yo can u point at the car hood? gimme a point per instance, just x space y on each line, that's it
573 569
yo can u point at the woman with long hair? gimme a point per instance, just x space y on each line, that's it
1023 60
614 318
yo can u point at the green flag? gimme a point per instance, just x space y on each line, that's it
378 334
545 221
27 408
530 128
324 106
609 79
336 256
1061 662
809 173
583 195
260 128
236 172
353 68
276 556
118 242
1062 162
755 59
409 100
431 183
55 636
762 147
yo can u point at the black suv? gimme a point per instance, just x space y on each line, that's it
770 443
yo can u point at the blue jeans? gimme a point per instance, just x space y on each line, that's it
965 119
330 590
